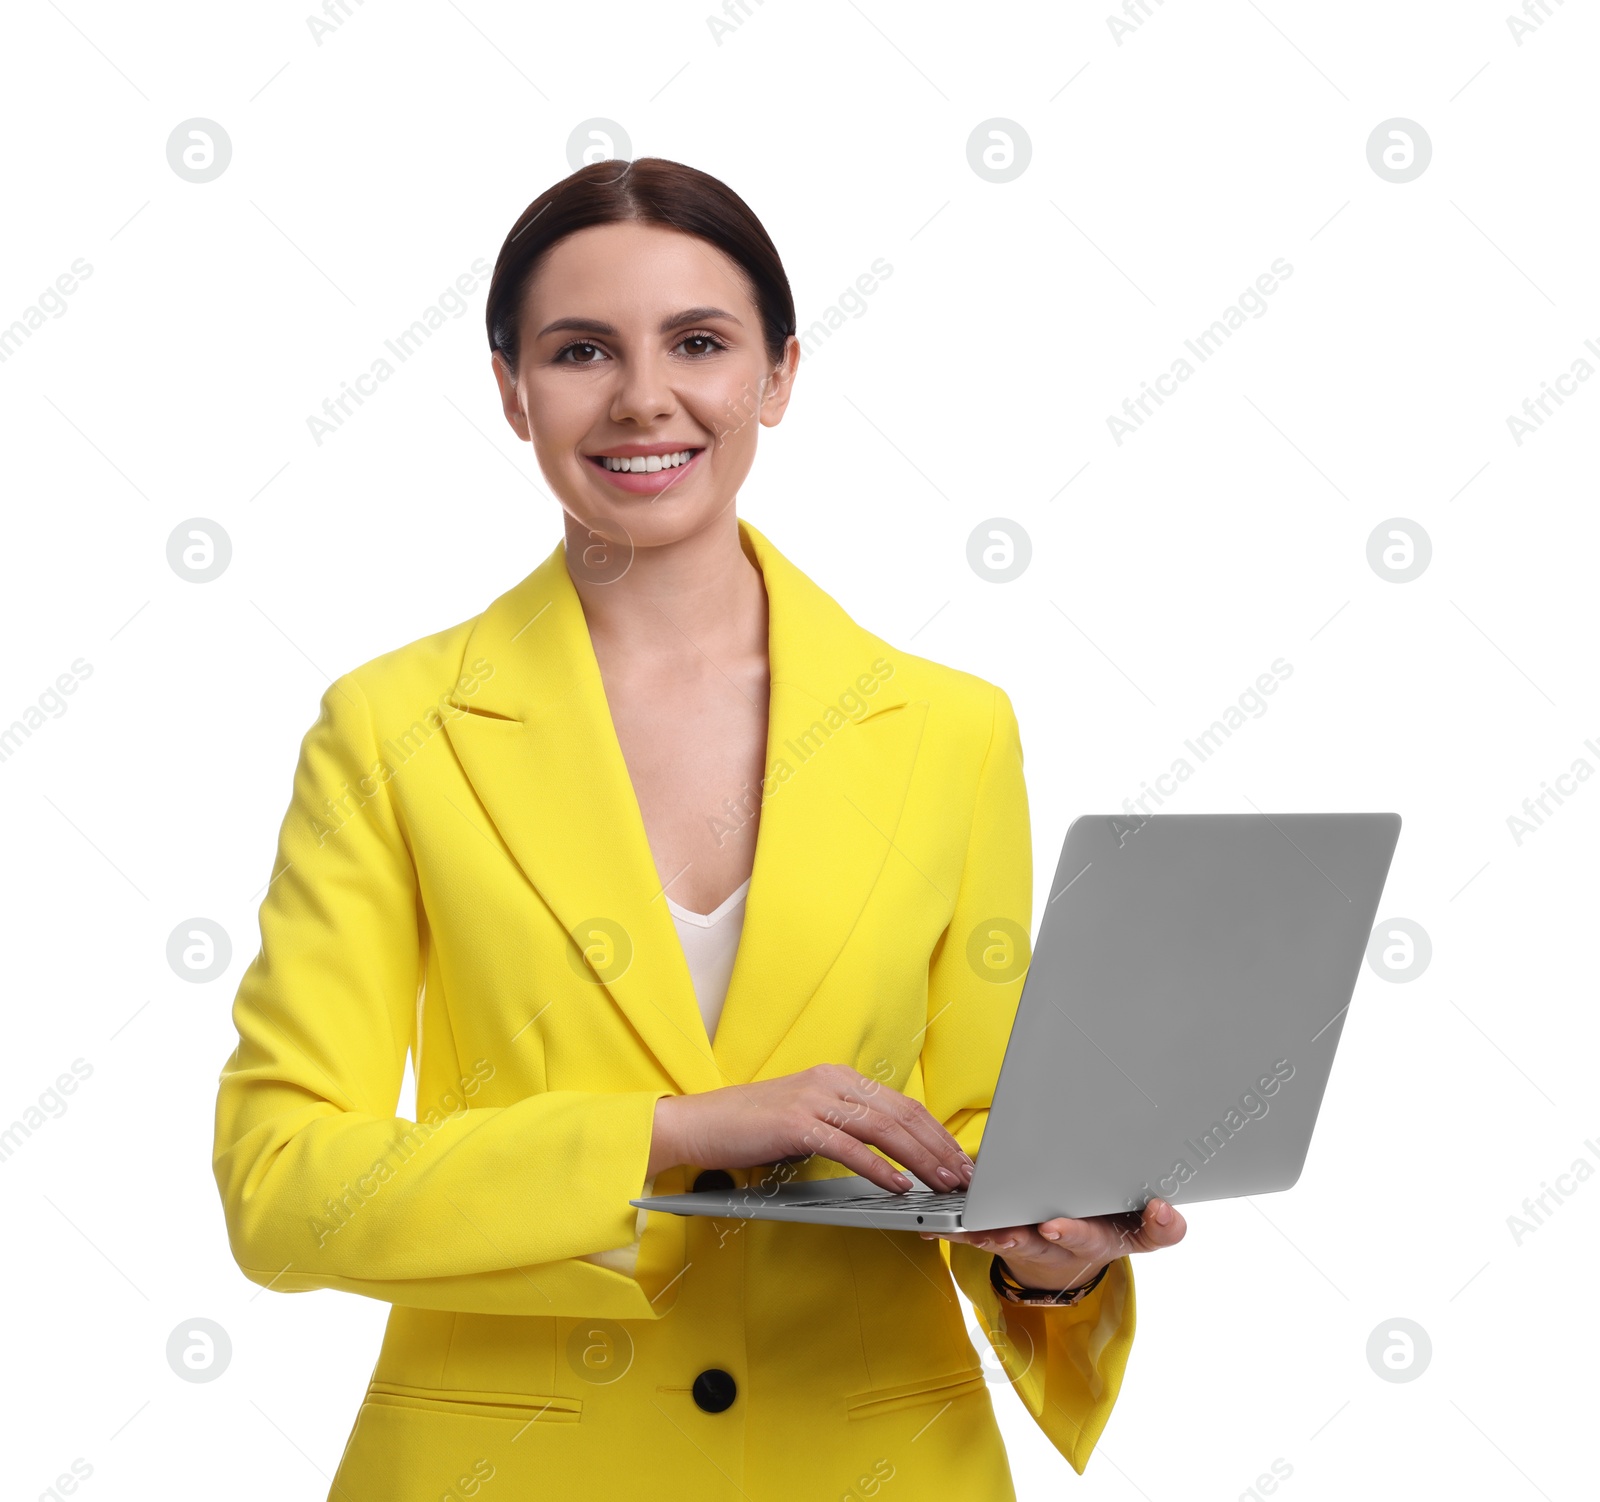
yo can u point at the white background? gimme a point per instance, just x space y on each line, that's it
1169 169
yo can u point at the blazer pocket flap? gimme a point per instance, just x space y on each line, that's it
879 1400
524 1407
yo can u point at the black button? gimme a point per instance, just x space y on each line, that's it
714 1389
714 1178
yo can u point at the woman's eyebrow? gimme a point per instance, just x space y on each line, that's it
596 326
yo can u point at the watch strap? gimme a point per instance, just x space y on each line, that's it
1013 1292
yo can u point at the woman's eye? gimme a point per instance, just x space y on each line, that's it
582 352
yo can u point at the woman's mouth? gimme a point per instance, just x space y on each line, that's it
646 474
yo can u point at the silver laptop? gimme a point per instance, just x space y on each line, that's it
1174 1034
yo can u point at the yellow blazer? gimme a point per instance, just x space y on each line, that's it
463 874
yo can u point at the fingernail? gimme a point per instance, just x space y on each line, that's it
1164 1214
901 1181
1051 1235
1005 1246
944 1176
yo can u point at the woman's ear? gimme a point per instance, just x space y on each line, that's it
510 398
780 385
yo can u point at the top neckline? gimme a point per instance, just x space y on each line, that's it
723 908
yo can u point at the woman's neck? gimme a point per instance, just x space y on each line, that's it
696 598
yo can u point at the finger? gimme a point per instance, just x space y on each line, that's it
918 1118
1158 1225
1163 1225
829 1141
1094 1239
964 1238
1107 1236
915 1118
850 1103
886 1132
1022 1241
933 1134
853 1085
1023 1247
1033 1257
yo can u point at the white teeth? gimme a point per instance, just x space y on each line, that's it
648 464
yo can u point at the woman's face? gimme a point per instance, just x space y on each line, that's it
642 341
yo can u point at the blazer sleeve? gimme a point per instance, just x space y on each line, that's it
474 1208
1066 1364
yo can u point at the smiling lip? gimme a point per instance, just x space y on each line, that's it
644 483
635 450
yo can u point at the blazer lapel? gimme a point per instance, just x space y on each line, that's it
538 745
841 745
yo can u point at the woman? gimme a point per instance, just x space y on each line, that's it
660 868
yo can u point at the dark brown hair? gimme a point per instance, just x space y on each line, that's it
650 190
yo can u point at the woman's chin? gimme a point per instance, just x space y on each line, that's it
646 521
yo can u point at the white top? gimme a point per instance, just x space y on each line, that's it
710 943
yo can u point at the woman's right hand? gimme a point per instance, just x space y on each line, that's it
829 1109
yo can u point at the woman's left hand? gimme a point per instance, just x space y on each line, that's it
1067 1253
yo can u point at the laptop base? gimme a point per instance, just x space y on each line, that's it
849 1200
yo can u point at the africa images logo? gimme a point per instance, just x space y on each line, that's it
1253 1105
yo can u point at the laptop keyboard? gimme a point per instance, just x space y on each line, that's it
913 1200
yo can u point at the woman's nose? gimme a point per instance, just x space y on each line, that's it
643 392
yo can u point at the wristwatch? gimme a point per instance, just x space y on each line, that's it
1012 1292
